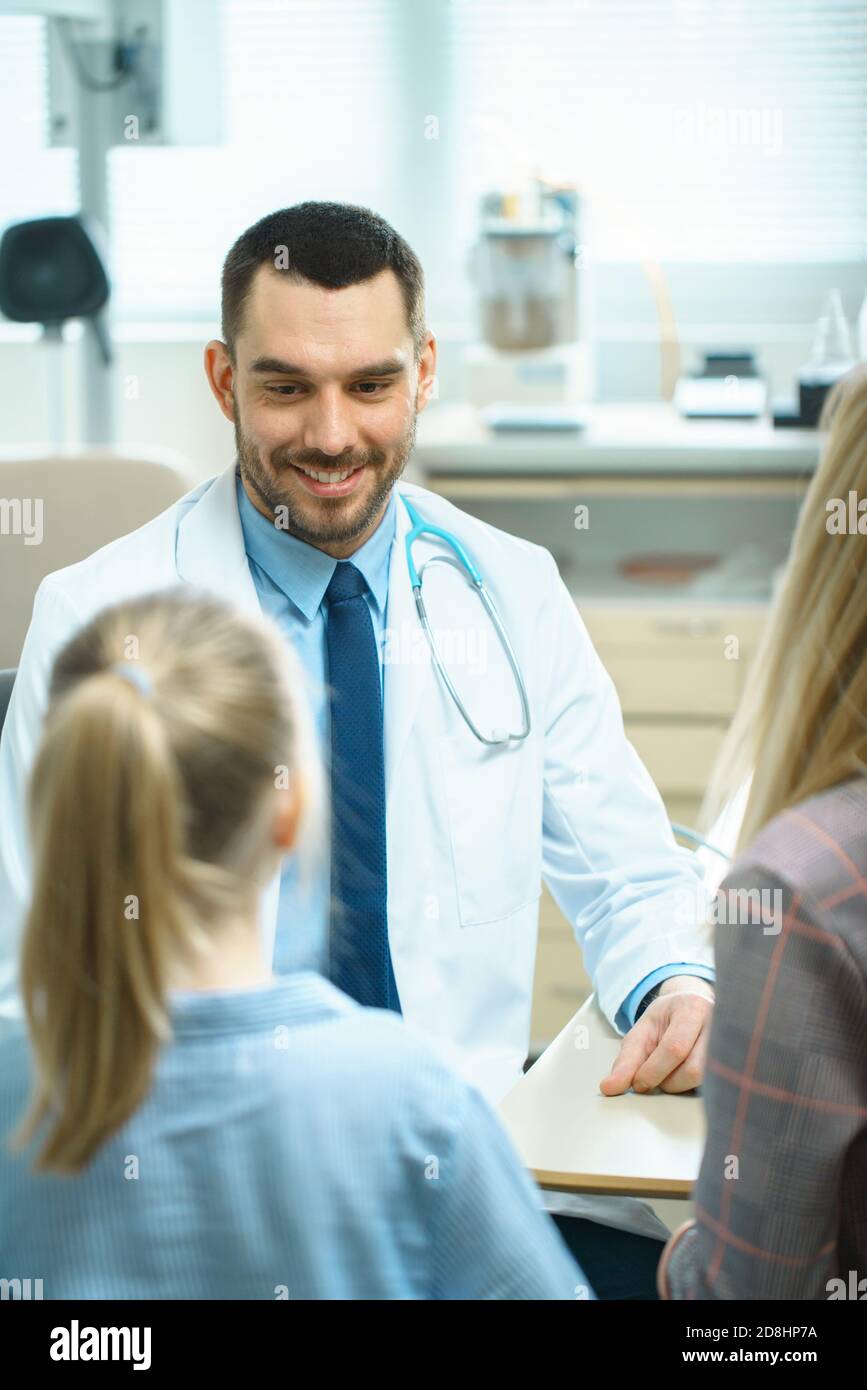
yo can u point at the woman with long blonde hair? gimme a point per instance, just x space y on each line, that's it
780 1203
802 720
196 1127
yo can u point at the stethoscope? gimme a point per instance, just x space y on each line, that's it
463 562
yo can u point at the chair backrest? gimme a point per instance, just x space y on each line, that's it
7 680
57 509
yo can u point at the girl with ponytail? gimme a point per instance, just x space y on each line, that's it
194 1126
166 727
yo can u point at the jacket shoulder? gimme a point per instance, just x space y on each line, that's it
818 848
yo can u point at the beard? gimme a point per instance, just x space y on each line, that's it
319 521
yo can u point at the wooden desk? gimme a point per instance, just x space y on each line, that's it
575 1139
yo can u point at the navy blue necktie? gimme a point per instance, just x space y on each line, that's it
360 958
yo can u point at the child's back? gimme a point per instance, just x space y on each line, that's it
293 1145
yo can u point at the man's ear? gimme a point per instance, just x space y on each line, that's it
426 372
221 375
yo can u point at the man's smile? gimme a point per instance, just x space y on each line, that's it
333 482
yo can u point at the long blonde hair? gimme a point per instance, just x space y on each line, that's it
801 726
149 811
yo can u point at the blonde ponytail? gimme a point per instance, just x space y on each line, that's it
149 809
106 855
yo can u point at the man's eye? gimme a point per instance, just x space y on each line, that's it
290 389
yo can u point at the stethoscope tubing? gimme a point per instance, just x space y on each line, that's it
419 527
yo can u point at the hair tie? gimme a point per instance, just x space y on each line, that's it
136 675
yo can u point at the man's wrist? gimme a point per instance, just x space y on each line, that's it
648 999
688 984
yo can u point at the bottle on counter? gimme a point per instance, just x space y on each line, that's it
831 357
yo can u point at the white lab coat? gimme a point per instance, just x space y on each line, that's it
471 831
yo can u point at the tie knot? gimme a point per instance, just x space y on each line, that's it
346 582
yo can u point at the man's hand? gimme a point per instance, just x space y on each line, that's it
667 1047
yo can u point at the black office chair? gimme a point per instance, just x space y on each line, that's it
51 270
7 680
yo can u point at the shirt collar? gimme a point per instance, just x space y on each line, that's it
292 1000
302 572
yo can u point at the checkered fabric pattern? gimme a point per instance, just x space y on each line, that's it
781 1199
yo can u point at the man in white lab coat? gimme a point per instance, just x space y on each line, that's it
324 365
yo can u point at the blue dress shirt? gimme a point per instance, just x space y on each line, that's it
291 578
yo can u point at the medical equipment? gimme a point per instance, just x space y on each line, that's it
830 358
533 350
463 562
52 270
697 839
727 386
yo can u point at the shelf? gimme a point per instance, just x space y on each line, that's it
637 441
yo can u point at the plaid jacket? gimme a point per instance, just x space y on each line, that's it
781 1199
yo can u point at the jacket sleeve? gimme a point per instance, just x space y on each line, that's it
53 621
786 1099
635 899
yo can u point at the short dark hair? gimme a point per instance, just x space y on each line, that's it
331 244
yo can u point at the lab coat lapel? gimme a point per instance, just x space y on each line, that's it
210 545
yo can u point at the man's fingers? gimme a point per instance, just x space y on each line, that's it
634 1051
672 1052
689 1074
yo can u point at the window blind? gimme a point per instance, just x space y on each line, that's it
732 130
699 130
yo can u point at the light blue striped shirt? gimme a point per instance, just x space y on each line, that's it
291 578
293 1145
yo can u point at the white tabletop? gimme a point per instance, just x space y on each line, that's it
573 1138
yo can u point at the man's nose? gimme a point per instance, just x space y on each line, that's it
328 423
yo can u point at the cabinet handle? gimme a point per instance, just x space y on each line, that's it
687 627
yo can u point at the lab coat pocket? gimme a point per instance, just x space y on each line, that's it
494 800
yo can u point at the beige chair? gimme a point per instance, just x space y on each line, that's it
56 509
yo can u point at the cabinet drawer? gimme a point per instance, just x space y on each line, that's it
701 628
679 757
675 659
649 682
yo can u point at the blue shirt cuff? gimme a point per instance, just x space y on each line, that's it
632 1001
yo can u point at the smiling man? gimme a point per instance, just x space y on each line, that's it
428 901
